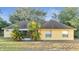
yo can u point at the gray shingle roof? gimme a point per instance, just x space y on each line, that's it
52 24
22 25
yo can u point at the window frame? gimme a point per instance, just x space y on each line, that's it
48 34
65 34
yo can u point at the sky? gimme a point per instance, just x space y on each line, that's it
7 11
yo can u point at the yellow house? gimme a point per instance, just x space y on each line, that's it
50 30
53 30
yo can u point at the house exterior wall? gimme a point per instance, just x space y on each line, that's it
56 34
7 32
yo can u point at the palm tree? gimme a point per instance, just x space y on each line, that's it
33 29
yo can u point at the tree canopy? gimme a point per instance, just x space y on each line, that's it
27 14
70 16
3 23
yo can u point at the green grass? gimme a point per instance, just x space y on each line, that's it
7 44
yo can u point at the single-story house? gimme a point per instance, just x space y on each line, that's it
50 30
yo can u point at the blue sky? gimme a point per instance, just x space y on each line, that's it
7 11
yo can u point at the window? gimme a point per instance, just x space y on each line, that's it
7 30
48 34
65 34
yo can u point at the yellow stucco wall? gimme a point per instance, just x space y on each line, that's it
56 34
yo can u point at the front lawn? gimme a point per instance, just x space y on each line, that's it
8 45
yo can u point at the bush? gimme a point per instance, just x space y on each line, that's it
77 34
17 35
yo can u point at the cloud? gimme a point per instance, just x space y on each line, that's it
5 17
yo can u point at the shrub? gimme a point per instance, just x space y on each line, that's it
17 35
77 34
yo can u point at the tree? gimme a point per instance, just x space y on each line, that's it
55 16
70 16
67 14
75 22
33 29
27 14
3 24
